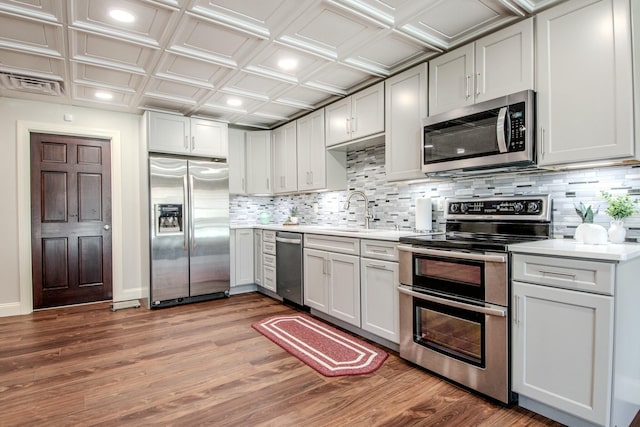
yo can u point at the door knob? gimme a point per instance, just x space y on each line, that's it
107 227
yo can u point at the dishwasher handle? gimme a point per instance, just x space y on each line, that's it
291 241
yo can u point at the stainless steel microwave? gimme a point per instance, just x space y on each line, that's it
492 134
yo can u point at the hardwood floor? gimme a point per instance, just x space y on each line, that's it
203 364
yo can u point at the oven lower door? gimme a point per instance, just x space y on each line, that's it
463 342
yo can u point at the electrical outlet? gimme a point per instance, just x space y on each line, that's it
440 204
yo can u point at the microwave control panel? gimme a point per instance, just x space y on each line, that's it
518 128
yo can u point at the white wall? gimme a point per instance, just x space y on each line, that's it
17 118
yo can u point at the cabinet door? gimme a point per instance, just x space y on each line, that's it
311 152
257 257
258 145
208 138
504 62
405 107
315 280
338 122
343 274
584 78
168 133
237 162
367 111
285 173
243 254
562 349
450 80
380 307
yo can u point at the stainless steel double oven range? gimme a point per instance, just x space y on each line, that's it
454 290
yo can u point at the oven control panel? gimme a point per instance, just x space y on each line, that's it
507 207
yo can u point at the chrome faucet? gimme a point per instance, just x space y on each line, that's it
367 213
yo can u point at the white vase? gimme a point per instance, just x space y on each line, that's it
617 232
591 234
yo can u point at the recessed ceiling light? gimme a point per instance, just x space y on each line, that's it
288 64
121 15
103 95
234 102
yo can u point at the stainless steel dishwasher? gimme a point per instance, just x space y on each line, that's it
289 273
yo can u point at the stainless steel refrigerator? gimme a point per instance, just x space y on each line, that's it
189 204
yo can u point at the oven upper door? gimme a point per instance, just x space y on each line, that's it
494 133
471 275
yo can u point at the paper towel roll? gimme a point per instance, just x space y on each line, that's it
423 214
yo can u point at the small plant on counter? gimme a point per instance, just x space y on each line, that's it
293 215
586 213
620 207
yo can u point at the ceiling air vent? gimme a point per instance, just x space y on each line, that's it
30 84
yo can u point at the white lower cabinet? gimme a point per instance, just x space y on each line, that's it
562 349
316 290
379 288
332 280
257 257
343 272
241 257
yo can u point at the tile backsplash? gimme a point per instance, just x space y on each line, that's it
393 203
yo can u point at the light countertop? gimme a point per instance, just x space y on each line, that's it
360 233
573 249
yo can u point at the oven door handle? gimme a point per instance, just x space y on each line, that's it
500 312
458 255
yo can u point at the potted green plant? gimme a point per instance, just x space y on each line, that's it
588 232
293 215
619 208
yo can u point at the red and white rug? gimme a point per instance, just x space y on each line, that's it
327 350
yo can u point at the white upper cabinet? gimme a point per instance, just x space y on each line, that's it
169 133
258 146
237 162
584 82
496 65
318 168
285 173
405 107
357 116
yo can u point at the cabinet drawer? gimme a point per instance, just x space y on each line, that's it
269 278
268 247
379 249
269 260
269 236
568 273
345 245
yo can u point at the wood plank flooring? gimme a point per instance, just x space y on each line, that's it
203 364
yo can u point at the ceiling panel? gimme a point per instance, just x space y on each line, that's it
216 43
149 26
31 36
88 94
105 78
110 52
195 56
190 70
34 65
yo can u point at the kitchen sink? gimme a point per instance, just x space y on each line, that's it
353 230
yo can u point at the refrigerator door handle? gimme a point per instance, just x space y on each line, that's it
191 219
185 214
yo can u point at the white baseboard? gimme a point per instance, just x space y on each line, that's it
10 309
127 294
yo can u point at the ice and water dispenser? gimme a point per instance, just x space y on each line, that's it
168 219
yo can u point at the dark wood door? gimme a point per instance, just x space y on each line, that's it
70 219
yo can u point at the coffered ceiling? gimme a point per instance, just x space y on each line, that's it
257 63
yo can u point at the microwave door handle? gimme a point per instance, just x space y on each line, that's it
500 132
